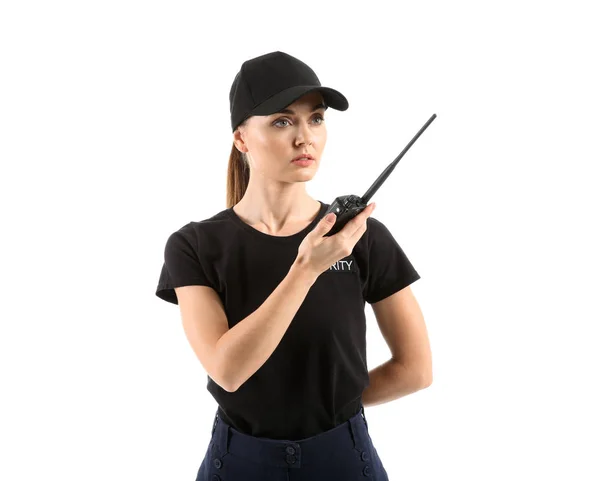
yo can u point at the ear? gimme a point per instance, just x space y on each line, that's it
238 140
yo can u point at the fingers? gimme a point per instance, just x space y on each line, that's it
324 225
365 214
362 225
359 221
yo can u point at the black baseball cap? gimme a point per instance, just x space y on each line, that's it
268 83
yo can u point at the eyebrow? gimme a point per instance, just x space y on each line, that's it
288 111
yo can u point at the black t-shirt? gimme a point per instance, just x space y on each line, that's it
314 379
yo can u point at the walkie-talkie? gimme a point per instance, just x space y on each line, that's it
346 207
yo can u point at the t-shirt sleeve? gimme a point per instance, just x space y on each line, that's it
182 265
389 268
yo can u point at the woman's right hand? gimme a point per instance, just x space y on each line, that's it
317 253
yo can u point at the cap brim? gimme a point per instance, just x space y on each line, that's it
333 99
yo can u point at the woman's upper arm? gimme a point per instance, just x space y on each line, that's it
204 322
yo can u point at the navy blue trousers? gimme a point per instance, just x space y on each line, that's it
344 453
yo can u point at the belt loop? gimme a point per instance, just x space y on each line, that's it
215 424
359 433
362 412
223 438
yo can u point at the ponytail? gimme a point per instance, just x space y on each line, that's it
238 176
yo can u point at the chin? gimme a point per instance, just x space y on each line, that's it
304 175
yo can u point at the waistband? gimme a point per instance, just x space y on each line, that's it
288 453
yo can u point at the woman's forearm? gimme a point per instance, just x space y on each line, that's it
391 380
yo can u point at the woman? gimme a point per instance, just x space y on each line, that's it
273 309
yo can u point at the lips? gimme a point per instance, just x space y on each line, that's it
303 157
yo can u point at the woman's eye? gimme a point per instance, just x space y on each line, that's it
286 120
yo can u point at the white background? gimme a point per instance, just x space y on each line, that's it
114 132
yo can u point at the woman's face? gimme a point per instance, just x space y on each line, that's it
272 141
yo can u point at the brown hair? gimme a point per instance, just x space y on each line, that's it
238 175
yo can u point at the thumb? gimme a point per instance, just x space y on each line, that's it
326 222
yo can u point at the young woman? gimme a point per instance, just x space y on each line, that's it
274 310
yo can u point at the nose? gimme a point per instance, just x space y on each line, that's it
304 135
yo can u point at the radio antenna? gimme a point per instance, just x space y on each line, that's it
384 175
